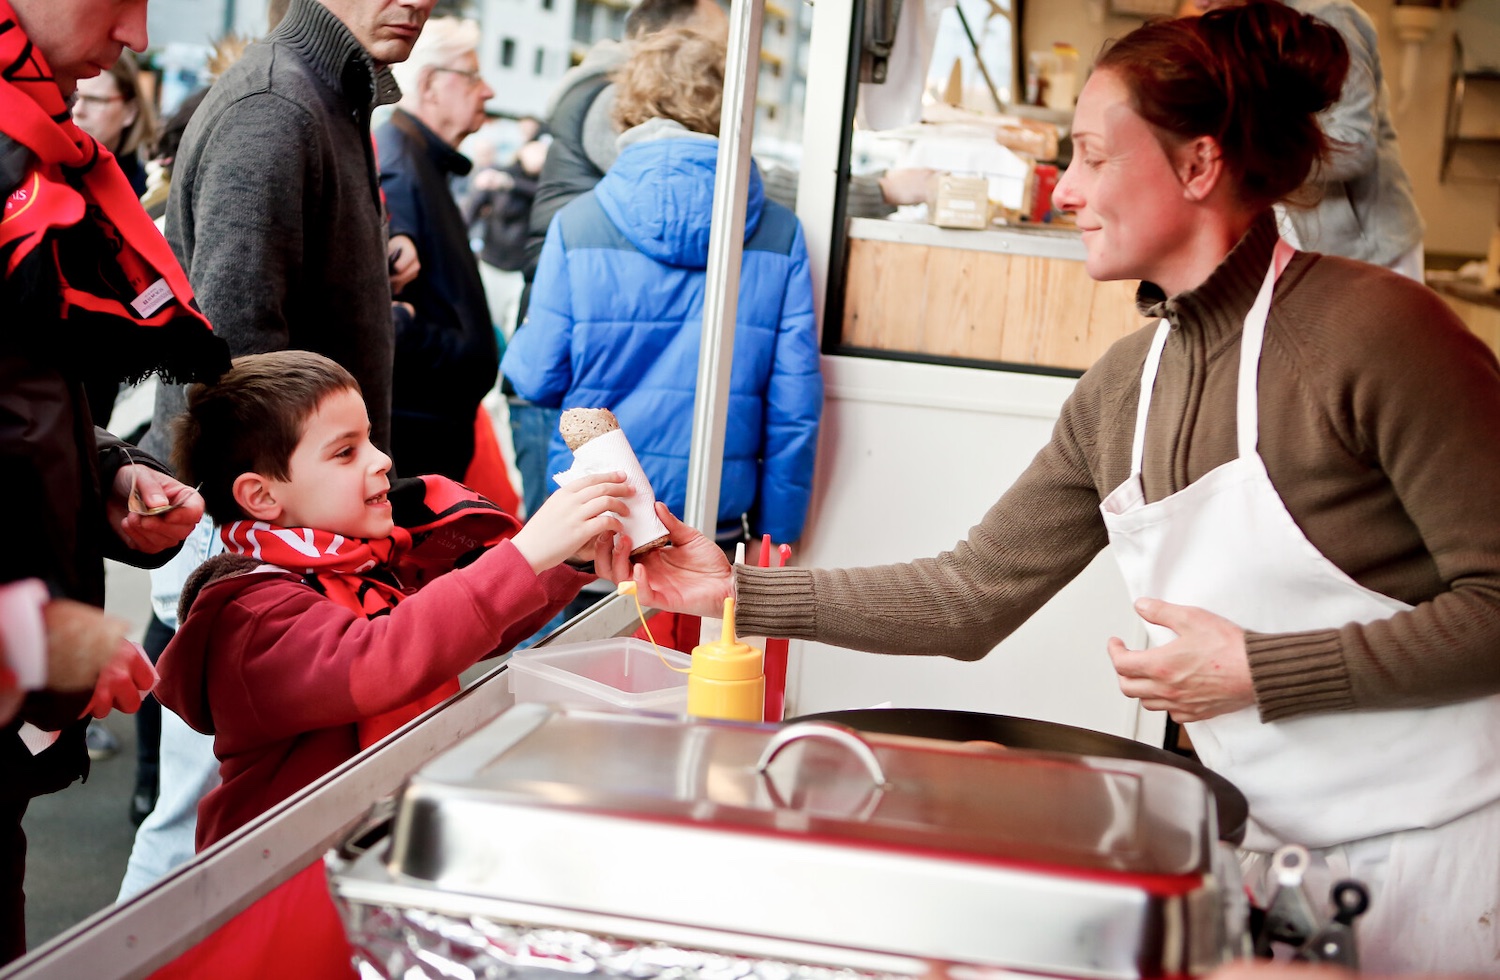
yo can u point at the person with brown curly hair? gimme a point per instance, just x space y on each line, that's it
617 307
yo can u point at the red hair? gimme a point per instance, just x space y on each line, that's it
1253 77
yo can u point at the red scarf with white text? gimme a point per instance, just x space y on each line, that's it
440 525
74 224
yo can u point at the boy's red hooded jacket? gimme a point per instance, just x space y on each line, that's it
281 675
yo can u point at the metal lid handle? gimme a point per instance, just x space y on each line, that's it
840 734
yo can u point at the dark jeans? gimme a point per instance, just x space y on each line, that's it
148 730
531 428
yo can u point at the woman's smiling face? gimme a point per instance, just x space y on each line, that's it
1123 187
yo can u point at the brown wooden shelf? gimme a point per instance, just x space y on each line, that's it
977 304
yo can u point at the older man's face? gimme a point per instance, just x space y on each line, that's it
453 98
81 38
385 28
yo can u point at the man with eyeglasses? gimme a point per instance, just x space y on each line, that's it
447 357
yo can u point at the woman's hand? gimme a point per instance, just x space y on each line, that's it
692 576
573 519
151 533
1202 674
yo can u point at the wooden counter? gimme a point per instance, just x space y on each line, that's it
1006 296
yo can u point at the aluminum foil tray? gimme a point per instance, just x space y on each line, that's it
393 942
811 844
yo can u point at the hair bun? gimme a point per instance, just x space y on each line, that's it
1300 60
1252 76
1309 47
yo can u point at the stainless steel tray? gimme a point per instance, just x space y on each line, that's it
780 841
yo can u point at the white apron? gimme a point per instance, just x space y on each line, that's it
1227 544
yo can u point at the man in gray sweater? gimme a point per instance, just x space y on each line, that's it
276 215
275 209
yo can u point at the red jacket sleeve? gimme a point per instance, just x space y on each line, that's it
280 659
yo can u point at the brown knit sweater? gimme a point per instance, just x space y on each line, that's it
1379 425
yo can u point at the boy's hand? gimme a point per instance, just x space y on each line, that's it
572 519
691 577
151 533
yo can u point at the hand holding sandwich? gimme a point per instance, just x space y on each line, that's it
692 576
572 519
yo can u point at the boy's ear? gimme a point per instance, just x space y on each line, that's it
253 493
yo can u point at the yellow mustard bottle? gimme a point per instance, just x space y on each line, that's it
727 680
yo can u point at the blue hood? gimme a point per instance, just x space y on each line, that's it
660 195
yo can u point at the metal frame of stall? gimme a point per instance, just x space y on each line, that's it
137 937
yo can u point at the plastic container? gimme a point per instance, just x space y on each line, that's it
622 673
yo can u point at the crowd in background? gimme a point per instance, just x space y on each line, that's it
317 199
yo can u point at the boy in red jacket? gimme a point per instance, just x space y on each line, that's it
300 641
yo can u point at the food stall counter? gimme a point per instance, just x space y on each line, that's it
1006 296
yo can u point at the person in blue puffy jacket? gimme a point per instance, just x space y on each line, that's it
616 310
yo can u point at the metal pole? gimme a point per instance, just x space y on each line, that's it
823 122
978 58
725 246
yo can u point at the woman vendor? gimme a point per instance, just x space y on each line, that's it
1295 466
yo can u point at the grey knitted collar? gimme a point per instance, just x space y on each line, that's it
335 55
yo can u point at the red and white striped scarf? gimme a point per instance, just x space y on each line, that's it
441 525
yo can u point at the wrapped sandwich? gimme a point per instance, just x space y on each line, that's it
599 446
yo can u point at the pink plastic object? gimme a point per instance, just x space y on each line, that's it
776 648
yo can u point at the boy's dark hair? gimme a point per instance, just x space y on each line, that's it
250 421
650 16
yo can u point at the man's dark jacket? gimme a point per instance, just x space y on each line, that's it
56 470
447 357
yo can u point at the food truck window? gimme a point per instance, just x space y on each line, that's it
950 142
964 53
944 53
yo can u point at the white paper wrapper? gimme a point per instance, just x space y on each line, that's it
611 453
